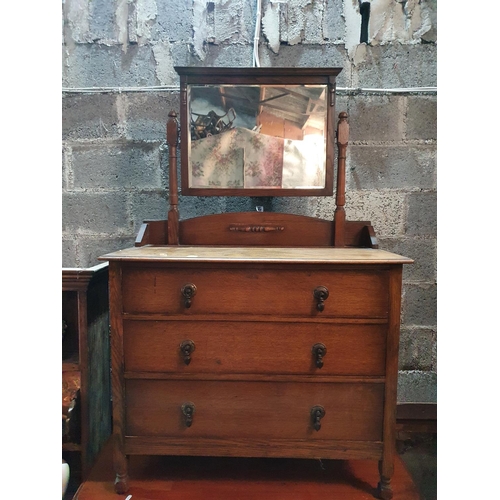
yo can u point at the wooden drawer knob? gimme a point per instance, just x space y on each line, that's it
188 292
188 412
320 294
318 352
187 348
317 413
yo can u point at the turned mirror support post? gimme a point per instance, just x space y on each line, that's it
173 213
339 216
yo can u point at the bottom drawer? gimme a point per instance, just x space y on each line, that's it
272 410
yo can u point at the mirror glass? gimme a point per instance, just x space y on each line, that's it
257 136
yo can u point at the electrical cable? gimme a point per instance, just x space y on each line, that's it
119 90
403 90
256 61
176 90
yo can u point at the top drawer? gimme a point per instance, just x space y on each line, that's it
288 292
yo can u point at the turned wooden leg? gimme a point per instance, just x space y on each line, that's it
121 484
384 489
120 463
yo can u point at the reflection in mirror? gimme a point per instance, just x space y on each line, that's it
257 136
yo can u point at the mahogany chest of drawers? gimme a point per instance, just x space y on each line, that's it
255 352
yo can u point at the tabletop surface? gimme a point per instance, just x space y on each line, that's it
319 255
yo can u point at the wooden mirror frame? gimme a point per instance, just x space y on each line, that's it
257 76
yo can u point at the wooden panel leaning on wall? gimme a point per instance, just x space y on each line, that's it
85 364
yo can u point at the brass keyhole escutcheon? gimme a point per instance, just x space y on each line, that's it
187 348
320 294
188 292
319 352
317 413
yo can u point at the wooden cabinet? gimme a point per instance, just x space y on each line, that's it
252 361
86 389
255 334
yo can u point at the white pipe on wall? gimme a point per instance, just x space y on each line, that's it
176 89
256 61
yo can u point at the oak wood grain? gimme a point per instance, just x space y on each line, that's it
252 447
217 230
254 347
254 255
220 229
117 379
256 334
226 409
251 377
251 290
386 465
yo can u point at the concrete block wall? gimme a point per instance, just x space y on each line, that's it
119 85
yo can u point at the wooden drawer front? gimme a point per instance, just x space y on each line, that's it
254 347
266 292
274 410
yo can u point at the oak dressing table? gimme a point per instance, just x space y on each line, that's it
256 334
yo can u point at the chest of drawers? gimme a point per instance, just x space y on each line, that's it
255 352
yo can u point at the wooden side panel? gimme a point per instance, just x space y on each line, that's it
153 232
278 292
117 378
227 409
359 234
391 386
254 347
99 378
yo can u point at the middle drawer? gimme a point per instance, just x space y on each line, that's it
254 347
